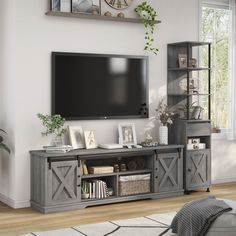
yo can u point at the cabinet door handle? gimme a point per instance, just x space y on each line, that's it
78 185
79 176
189 170
156 177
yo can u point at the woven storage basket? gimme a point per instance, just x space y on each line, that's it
134 184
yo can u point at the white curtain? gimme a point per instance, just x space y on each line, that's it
232 69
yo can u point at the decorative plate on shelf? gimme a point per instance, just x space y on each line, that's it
119 4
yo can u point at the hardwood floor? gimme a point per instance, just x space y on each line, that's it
21 221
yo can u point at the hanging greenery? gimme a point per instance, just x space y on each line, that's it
148 15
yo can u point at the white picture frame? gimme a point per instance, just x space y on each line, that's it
86 6
127 134
55 5
65 6
90 141
76 137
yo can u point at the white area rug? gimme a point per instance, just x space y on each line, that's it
151 225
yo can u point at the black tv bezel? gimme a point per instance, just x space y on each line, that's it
53 81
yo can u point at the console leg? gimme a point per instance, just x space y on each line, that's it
208 190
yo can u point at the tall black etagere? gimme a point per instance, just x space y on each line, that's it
189 91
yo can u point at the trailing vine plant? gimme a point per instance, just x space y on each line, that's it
148 15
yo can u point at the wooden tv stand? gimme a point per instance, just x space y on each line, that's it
56 178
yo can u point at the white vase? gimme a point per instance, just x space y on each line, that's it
163 135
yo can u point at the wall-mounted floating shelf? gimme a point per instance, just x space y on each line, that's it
95 17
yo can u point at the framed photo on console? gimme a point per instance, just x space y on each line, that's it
90 141
76 136
87 6
55 5
127 134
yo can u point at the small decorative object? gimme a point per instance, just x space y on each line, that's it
121 15
193 140
119 4
110 191
183 109
196 114
148 15
165 117
86 6
193 62
123 167
116 168
107 13
183 63
3 146
76 137
90 141
193 85
84 190
54 125
132 165
55 5
127 135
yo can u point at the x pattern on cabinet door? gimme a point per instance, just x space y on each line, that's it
63 181
64 184
199 167
168 171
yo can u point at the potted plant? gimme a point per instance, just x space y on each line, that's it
85 190
3 146
165 117
148 15
54 125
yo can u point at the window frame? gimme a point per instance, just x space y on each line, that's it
226 133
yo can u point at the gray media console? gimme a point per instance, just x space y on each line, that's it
56 179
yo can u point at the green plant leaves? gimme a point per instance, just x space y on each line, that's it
148 14
53 124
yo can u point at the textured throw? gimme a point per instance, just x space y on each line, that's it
196 217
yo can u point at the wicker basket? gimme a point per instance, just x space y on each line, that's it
134 184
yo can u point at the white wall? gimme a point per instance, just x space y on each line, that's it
36 35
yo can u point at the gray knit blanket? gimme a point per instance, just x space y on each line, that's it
196 217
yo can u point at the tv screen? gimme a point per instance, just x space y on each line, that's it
94 86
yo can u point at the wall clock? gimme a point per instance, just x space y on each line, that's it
119 4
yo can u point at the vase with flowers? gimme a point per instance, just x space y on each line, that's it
165 118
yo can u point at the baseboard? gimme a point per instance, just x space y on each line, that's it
224 180
13 203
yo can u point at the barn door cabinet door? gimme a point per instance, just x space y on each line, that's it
198 169
63 182
168 172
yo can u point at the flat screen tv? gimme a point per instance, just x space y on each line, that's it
95 86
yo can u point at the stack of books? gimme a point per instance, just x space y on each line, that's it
96 189
58 149
100 169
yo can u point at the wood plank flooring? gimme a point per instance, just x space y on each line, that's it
21 221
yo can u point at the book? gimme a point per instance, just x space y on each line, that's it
100 169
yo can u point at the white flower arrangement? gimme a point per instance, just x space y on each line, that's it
164 115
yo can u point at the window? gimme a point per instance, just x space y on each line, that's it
216 28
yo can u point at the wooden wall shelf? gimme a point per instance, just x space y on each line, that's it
95 17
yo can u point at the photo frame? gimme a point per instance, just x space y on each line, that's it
76 137
86 6
127 134
183 63
65 6
90 141
55 5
